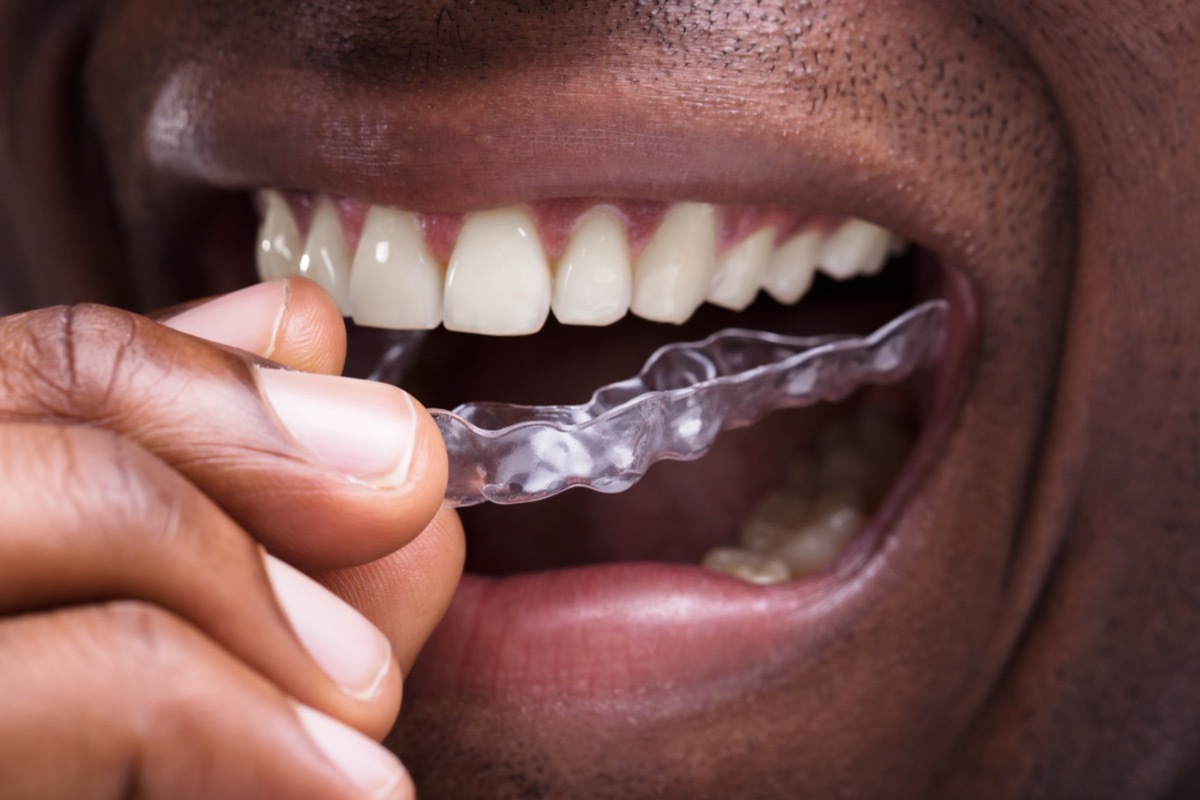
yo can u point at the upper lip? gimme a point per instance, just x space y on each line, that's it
468 158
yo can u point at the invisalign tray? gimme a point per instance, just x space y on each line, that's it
673 409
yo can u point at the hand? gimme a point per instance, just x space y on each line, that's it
148 646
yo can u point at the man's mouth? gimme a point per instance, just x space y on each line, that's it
586 616
545 301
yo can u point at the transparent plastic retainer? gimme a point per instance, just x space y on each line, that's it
685 395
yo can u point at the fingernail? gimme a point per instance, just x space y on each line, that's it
247 319
360 428
366 764
342 641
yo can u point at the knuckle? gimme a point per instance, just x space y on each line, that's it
147 641
95 466
67 362
177 673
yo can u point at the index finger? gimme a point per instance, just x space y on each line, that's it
327 472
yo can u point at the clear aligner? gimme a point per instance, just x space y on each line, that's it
686 394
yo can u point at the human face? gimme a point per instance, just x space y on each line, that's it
1020 615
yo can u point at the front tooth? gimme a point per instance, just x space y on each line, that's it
498 283
740 271
395 282
856 248
793 267
594 281
750 567
674 271
279 240
326 258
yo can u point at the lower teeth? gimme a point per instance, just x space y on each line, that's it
800 529
796 531
750 567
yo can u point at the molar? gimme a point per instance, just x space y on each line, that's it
816 531
326 259
750 567
395 281
593 284
673 273
498 282
805 524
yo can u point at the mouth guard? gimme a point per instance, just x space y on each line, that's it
685 395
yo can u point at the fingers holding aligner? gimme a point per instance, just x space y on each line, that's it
326 471
90 517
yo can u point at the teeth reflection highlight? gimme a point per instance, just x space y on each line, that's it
279 240
740 271
594 283
498 282
673 273
326 258
395 281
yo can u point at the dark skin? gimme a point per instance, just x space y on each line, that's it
1033 628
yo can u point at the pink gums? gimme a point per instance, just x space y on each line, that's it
557 219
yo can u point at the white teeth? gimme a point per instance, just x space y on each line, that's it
326 259
801 532
498 282
793 268
807 523
395 281
279 241
673 273
740 271
856 248
750 567
825 528
593 284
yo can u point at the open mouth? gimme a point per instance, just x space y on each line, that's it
832 591
544 302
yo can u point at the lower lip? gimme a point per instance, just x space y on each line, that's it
599 633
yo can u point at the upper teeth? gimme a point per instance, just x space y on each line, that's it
499 280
